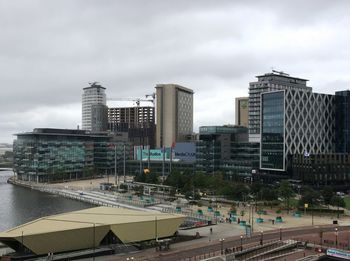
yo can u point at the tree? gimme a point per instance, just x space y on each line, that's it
327 194
138 190
180 180
141 177
309 196
338 202
269 194
255 190
286 192
152 178
89 171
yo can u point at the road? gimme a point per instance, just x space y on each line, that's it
203 249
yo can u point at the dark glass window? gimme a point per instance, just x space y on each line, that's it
272 133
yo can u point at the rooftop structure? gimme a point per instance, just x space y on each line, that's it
90 228
266 83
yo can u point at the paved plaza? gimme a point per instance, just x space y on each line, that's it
288 220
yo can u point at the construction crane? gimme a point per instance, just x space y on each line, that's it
152 95
136 100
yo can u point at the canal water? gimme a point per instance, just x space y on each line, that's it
20 205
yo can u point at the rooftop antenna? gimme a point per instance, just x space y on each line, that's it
280 72
93 83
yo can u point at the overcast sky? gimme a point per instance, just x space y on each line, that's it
50 50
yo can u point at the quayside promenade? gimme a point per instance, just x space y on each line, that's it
89 191
206 241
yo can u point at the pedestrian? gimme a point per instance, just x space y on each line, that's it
211 231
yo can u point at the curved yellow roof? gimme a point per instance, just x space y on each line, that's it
86 228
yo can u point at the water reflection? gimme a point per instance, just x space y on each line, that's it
19 205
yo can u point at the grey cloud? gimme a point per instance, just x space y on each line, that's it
50 50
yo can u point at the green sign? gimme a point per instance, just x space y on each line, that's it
153 154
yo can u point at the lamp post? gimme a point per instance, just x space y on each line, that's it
280 233
115 165
222 245
213 157
261 237
93 255
336 236
241 243
248 205
124 164
22 242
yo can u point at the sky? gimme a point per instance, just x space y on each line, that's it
51 50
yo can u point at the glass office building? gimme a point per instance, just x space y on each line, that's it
294 122
342 121
226 149
272 131
49 155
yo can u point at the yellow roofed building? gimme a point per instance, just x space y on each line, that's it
90 228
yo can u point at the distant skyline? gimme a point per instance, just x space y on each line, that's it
51 50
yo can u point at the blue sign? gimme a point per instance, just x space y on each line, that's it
185 151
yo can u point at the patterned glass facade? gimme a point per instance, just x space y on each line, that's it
268 82
304 126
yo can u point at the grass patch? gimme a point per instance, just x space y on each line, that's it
293 202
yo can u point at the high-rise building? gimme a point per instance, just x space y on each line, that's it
174 114
138 122
241 111
342 121
92 95
295 121
123 118
266 83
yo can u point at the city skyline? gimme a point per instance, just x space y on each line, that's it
51 50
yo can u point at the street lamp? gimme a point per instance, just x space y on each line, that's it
222 245
94 236
336 236
261 237
280 233
241 243
116 181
